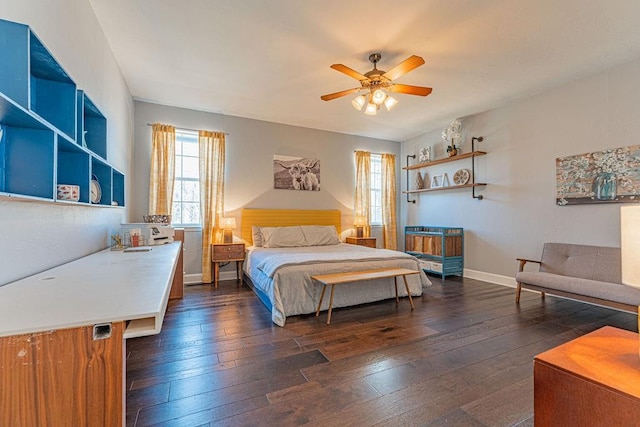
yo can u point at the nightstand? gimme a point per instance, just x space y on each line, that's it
227 252
369 242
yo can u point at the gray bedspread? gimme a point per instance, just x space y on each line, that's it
284 276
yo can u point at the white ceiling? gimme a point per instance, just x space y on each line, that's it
269 59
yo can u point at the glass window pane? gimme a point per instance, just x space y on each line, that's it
178 166
190 167
191 213
176 213
186 194
177 191
190 149
191 191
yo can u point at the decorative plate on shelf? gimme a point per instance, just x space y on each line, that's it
461 177
96 191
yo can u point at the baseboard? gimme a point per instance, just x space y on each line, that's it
490 277
193 279
196 279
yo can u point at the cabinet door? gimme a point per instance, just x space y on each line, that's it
62 377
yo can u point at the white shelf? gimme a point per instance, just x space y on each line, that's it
108 286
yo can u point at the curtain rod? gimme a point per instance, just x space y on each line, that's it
370 152
194 130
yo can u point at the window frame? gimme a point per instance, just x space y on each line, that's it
375 178
182 135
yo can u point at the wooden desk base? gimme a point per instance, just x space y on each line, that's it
62 377
593 380
358 276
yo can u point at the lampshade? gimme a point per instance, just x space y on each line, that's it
228 223
371 110
358 102
390 102
359 220
630 245
378 96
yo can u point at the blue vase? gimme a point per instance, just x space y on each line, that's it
605 186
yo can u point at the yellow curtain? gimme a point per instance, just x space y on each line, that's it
211 146
389 201
163 156
363 189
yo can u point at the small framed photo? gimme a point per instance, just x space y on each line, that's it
439 180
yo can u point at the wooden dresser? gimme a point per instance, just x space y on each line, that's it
593 380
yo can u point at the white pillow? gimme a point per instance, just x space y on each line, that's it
320 235
256 236
282 237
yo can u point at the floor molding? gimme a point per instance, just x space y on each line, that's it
196 279
490 277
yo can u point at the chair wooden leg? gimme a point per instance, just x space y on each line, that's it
542 295
518 289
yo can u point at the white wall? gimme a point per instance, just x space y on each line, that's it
250 147
38 236
523 139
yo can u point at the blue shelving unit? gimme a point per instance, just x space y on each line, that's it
92 126
27 162
118 190
440 249
43 118
73 167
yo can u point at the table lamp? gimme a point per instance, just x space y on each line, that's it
630 247
228 224
359 223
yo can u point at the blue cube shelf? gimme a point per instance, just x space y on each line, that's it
51 133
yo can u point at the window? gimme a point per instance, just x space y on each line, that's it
186 189
376 189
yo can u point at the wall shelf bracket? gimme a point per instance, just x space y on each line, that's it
413 156
473 165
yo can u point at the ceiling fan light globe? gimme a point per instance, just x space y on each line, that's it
378 96
390 102
371 109
358 102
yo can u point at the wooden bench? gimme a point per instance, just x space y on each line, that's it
358 276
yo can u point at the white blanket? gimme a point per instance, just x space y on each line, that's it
284 276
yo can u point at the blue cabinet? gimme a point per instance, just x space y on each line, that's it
440 249
51 133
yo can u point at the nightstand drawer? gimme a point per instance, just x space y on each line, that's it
362 241
227 252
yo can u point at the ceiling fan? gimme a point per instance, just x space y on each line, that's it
376 83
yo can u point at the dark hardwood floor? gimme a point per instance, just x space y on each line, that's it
463 357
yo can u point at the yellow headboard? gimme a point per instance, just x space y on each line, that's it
286 217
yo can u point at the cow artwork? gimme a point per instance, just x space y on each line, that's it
296 173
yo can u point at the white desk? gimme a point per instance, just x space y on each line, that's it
108 286
47 348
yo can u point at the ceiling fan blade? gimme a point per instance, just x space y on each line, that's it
404 67
410 90
349 72
331 96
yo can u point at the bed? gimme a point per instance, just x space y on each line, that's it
286 247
